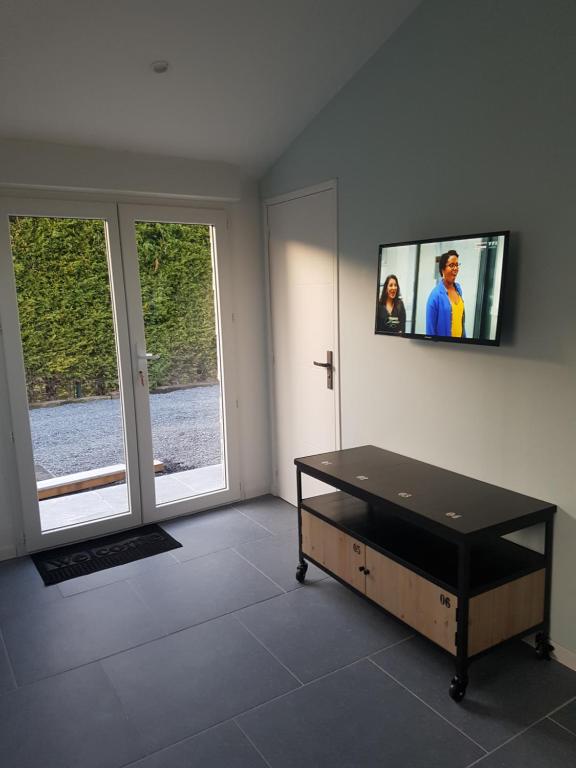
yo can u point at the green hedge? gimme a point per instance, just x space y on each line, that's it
66 314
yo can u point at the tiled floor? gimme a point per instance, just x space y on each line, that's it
213 655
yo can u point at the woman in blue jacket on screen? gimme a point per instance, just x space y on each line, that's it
445 306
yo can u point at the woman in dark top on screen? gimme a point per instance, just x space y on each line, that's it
391 316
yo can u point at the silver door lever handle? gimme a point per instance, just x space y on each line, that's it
329 368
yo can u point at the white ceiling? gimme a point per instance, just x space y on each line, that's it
245 77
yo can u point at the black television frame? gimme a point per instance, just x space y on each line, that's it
474 341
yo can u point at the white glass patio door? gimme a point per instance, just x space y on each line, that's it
106 439
177 282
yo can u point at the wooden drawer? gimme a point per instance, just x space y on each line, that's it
413 599
494 616
339 553
506 611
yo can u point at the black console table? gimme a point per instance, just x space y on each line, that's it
426 545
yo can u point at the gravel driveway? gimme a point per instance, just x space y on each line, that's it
81 436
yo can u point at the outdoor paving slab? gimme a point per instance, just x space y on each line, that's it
77 630
202 589
116 496
212 531
509 688
277 557
320 628
118 573
223 746
273 513
72 719
169 488
544 745
203 479
187 682
22 588
75 508
566 716
355 718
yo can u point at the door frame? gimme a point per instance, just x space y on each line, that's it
267 203
29 533
218 221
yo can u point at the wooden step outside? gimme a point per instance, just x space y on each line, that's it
81 481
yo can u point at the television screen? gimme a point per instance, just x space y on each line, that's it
446 289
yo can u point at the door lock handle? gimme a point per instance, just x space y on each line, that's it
329 369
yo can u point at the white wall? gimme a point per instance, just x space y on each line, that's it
31 169
463 122
41 165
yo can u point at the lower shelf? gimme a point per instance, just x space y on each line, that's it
495 614
492 563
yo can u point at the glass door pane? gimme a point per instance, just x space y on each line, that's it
174 278
178 306
75 410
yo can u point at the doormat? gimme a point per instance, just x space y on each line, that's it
56 565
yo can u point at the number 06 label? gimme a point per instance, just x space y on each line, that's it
445 601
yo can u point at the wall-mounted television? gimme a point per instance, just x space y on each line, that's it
443 289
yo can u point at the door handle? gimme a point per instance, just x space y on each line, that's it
329 369
147 356
144 357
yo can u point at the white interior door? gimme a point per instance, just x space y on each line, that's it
302 254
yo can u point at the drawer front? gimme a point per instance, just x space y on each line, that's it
339 553
416 601
505 611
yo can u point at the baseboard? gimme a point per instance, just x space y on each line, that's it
562 655
7 553
255 494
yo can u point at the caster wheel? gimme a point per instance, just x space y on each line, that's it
543 648
457 690
301 572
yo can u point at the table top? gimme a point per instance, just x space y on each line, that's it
453 504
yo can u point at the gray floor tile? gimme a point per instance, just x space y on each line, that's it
209 532
77 630
202 589
358 718
509 688
566 716
273 513
187 682
7 681
21 587
320 628
277 557
545 745
72 719
223 746
118 573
